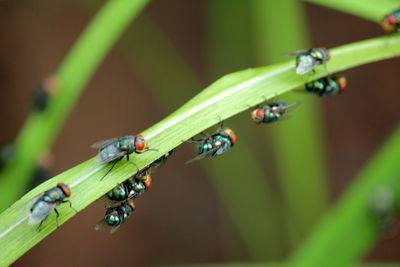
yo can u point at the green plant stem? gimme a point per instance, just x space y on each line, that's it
224 98
276 264
229 48
40 130
152 55
350 229
372 9
296 176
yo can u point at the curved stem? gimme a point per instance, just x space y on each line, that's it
40 130
225 98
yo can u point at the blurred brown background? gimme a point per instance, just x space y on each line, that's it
180 220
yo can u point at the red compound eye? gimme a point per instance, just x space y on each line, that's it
257 115
343 84
260 114
140 143
231 134
148 182
392 20
65 188
328 55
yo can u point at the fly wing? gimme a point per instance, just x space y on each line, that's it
204 155
115 228
297 52
306 65
40 212
101 225
116 155
104 143
293 105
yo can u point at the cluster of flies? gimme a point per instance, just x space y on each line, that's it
114 150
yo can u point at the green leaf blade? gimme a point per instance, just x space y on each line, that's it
221 100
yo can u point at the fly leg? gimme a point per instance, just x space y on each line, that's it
70 204
221 123
58 215
204 134
192 141
39 228
109 170
127 158
147 150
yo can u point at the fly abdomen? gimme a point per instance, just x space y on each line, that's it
118 193
315 86
204 148
118 215
114 218
109 153
39 212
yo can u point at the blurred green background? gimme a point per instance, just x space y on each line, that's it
258 201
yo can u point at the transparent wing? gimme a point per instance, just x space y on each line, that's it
99 161
297 52
293 105
26 208
101 225
306 65
103 143
41 212
204 155
115 228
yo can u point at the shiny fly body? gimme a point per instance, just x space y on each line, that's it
307 60
215 145
45 203
138 184
114 149
123 194
131 188
391 22
115 216
327 86
273 111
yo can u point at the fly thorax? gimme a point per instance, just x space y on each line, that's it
118 193
54 194
126 144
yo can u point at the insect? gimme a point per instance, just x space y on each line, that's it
271 112
43 93
327 86
114 149
307 60
391 22
215 145
139 183
48 201
131 188
116 216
